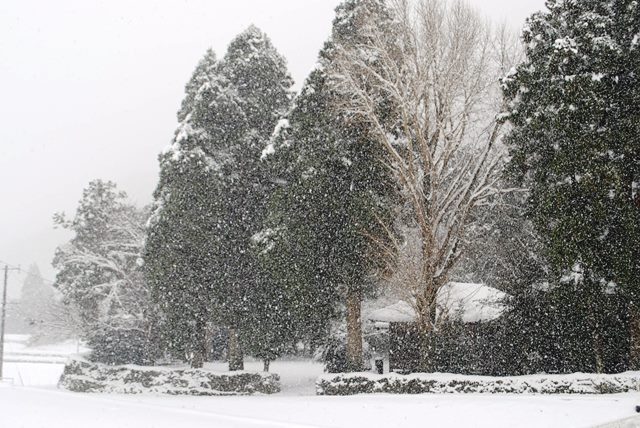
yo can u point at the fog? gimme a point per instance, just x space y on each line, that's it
90 90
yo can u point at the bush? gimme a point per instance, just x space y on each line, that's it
418 383
84 376
334 356
115 347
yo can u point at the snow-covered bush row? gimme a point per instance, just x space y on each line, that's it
83 376
577 383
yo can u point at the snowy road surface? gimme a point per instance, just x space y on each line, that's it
31 407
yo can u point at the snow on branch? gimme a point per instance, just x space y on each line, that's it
428 92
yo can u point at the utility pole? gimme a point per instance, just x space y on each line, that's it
3 315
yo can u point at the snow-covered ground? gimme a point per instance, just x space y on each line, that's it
297 377
47 407
35 402
17 348
26 365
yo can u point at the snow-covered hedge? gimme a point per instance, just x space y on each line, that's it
577 383
84 376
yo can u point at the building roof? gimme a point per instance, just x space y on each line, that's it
467 302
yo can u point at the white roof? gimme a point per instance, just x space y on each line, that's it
398 312
467 302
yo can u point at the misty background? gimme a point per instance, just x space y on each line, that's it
90 89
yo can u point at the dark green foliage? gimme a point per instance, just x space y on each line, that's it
182 239
331 198
574 143
551 326
334 352
116 347
335 356
349 384
259 75
177 265
563 330
210 198
575 135
200 76
252 302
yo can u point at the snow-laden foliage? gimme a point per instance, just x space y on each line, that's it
199 258
439 383
84 376
98 273
332 197
275 218
573 106
437 69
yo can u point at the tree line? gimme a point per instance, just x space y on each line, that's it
427 145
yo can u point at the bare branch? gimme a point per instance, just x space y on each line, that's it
439 69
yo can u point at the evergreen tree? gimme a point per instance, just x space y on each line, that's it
183 236
575 144
36 297
199 77
259 73
98 274
331 199
208 200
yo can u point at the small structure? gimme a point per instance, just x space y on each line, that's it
469 303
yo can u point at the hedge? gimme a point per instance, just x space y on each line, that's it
418 383
83 376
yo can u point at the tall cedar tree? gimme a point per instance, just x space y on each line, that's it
575 144
332 198
208 201
263 85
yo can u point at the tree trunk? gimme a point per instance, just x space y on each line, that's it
354 332
266 365
236 359
634 338
208 341
597 352
197 359
199 351
426 321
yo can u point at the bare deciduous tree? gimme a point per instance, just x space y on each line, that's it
430 95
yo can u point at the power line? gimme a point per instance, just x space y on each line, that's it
2 262
19 269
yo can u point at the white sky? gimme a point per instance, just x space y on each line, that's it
89 89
